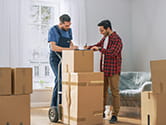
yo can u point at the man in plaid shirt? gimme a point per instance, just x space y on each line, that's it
110 47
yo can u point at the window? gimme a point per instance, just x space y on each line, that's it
36 71
47 71
43 17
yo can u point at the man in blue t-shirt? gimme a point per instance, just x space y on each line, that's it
59 38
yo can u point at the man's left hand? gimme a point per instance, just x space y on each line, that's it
95 48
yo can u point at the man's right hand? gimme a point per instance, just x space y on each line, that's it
86 47
73 47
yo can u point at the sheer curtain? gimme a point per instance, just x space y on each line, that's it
77 10
14 16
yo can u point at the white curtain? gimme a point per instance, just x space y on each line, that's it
76 9
14 16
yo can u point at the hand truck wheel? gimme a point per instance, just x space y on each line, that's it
53 114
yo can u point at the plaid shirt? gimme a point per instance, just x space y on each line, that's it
112 55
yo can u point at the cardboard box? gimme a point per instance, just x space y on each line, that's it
77 61
82 99
158 74
5 81
15 110
152 109
22 81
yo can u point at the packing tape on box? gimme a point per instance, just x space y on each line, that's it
83 53
161 87
23 84
149 95
66 68
98 113
74 118
91 83
68 99
11 124
82 119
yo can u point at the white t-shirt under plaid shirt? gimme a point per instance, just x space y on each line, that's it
105 47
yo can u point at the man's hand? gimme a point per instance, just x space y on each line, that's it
95 48
86 47
73 47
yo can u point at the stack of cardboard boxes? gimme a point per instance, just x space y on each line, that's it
154 102
15 90
82 89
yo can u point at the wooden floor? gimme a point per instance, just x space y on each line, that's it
39 116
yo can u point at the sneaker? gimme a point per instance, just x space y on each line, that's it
113 120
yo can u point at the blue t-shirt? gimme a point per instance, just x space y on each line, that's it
53 34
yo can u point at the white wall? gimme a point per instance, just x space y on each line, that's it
140 23
148 32
119 12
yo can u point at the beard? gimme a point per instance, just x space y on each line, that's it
106 34
64 29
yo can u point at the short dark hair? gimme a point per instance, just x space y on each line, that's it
64 18
106 24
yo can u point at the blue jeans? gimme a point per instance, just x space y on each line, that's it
54 61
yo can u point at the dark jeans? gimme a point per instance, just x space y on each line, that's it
54 61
